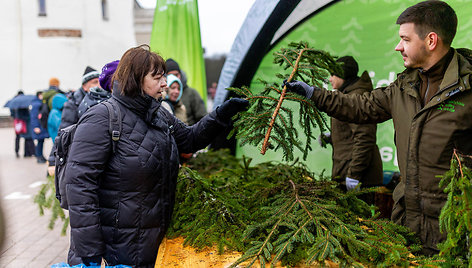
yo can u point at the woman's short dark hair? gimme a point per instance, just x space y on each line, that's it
431 16
134 65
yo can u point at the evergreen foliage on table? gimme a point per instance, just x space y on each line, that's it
456 216
269 121
282 212
46 199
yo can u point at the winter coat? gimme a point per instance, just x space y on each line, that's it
49 93
176 108
355 152
70 113
94 96
54 118
43 134
193 104
120 204
424 136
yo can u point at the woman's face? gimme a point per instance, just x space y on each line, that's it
153 85
174 91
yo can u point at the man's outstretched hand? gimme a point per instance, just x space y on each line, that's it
300 88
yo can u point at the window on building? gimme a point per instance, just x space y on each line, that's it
104 10
42 8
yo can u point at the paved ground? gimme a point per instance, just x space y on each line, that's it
28 241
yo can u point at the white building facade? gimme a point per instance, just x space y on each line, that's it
41 39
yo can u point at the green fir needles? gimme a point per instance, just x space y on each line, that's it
46 199
281 212
456 215
269 120
316 223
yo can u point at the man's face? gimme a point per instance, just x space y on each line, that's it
336 82
90 84
175 72
411 46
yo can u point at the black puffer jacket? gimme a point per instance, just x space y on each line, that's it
120 205
93 97
69 112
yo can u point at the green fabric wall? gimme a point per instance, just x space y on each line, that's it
364 29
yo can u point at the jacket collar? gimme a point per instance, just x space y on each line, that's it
458 68
144 106
360 82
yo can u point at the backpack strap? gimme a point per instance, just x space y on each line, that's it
115 126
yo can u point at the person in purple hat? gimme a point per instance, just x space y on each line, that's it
101 93
107 73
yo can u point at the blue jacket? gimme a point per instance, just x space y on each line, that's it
54 119
35 106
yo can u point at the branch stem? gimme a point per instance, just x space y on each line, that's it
265 144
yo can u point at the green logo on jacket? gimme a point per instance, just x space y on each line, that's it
450 106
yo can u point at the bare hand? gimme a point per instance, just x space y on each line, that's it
51 170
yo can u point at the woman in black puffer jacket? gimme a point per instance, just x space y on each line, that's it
120 204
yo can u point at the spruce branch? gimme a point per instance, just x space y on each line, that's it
455 217
269 122
46 200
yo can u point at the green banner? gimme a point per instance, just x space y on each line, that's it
367 31
176 34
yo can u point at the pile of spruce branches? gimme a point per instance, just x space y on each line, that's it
282 212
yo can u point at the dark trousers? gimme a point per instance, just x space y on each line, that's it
17 143
29 147
39 148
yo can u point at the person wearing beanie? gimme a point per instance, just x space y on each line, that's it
191 99
173 98
54 82
70 112
107 73
356 157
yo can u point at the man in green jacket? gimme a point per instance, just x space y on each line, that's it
356 157
430 103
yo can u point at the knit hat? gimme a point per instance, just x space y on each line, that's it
54 82
107 73
89 74
172 79
350 67
172 65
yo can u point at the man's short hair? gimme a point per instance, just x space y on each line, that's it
431 16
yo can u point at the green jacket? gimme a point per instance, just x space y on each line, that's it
355 151
424 137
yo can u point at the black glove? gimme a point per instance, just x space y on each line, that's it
300 88
95 260
231 107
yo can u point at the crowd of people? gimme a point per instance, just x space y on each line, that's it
120 199
65 108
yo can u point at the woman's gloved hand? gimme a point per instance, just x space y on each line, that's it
231 107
